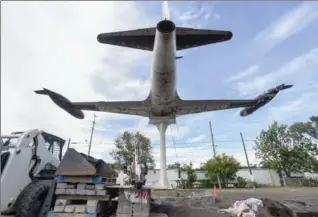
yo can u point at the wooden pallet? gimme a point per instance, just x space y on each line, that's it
86 179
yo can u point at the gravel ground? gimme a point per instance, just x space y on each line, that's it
306 198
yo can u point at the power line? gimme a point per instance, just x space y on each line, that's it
174 144
186 143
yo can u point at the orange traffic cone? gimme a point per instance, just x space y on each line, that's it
215 193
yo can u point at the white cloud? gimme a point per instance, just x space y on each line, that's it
302 64
194 14
289 24
298 106
249 71
197 139
240 157
54 45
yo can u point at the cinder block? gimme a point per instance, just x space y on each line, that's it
91 209
94 209
54 214
70 186
70 191
80 191
90 187
62 202
92 203
99 186
59 208
69 208
80 208
60 191
89 192
101 192
61 185
81 186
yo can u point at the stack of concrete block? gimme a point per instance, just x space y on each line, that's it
78 208
74 206
80 189
124 208
139 208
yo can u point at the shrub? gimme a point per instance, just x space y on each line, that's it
241 182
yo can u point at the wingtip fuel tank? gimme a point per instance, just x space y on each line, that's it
62 102
263 99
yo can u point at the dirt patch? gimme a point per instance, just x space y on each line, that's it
303 201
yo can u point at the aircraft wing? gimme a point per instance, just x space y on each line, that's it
140 108
185 107
126 107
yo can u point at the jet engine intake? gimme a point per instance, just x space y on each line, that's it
62 102
166 26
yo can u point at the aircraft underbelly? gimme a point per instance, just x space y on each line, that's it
163 70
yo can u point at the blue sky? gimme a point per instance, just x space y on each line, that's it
204 72
273 43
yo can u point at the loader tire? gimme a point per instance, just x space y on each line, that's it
32 199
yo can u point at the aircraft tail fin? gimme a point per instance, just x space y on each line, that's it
165 11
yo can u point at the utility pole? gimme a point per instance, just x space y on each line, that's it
247 161
92 132
68 143
214 154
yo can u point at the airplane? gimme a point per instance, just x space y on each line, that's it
163 103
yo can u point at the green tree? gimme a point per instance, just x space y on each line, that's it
308 130
191 176
176 165
288 148
225 166
125 149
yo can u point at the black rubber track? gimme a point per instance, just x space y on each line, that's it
32 198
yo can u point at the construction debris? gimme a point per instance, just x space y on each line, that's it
289 208
244 208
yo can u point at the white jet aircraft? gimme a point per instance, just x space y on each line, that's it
163 104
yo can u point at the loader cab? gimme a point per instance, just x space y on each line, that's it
54 143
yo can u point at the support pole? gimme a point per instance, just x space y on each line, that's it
214 154
163 181
91 139
247 161
68 143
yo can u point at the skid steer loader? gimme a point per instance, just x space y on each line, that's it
28 164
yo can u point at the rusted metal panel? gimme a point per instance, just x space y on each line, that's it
75 164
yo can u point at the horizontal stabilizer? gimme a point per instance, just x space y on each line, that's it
190 38
144 39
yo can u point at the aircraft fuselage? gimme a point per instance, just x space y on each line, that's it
163 68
